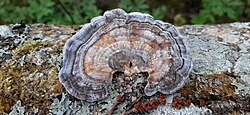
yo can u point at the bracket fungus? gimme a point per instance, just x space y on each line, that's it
129 43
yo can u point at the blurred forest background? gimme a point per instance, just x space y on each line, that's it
178 12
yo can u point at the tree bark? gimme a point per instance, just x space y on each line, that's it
30 58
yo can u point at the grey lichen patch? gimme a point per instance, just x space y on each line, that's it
242 66
5 31
245 45
17 109
65 106
241 25
10 38
223 43
191 110
242 87
205 50
242 69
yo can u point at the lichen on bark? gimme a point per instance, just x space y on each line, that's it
30 65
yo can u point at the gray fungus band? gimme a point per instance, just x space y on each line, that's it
127 42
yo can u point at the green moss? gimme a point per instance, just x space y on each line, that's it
225 86
31 84
209 87
22 83
30 46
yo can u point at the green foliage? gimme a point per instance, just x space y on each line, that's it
75 12
158 12
81 11
215 11
48 11
39 9
28 11
134 5
247 11
141 6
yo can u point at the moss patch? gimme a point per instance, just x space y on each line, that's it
215 91
32 84
205 86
